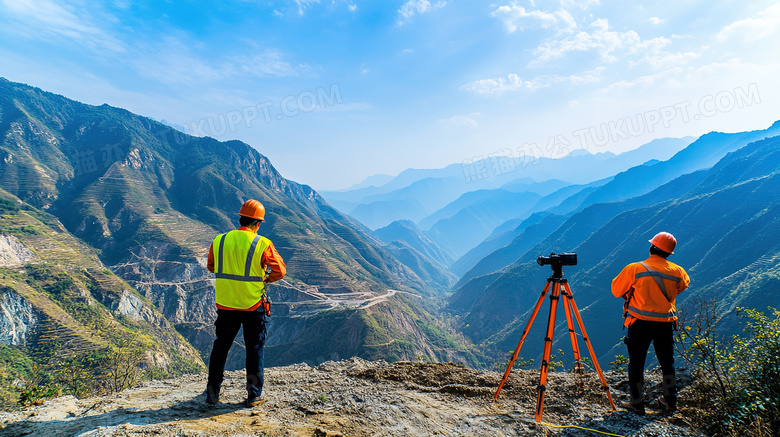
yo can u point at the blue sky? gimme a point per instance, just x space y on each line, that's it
335 91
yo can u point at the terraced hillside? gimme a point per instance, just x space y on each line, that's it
59 302
149 200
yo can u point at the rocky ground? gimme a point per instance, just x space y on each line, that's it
351 398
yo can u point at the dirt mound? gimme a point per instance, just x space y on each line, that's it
439 377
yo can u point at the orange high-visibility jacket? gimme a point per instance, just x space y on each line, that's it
650 288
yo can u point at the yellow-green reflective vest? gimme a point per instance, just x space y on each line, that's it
239 281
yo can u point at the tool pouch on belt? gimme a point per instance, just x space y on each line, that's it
626 315
266 305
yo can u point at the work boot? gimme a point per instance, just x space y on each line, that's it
254 401
212 394
667 406
638 409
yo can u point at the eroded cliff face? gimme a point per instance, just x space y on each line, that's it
181 288
18 318
12 252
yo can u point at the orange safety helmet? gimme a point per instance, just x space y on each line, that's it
253 209
664 241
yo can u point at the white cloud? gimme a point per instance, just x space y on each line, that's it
691 80
303 4
576 79
513 82
583 4
653 54
685 81
414 7
655 20
646 82
45 18
173 63
733 69
753 29
460 120
352 8
345 107
601 40
609 43
650 45
497 86
514 16
173 68
666 60
270 63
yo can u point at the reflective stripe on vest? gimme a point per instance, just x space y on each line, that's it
670 314
659 277
239 282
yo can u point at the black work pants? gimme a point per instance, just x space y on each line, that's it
227 324
640 334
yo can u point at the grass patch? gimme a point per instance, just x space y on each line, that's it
8 205
23 230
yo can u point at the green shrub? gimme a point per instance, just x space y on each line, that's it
737 380
7 205
555 365
35 388
23 230
620 364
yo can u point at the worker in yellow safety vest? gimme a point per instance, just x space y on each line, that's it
650 289
243 263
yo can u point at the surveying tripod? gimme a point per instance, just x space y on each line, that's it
560 288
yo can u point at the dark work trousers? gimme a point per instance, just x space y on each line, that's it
254 324
640 334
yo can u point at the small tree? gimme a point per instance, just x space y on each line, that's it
78 375
123 363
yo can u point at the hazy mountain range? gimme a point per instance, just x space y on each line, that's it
458 213
106 218
415 194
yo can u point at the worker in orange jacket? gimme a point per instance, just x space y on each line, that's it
244 263
650 289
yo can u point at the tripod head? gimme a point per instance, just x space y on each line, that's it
556 261
557 271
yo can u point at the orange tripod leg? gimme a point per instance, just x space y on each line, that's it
578 367
522 339
554 297
590 347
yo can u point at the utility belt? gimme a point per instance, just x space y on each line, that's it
629 320
266 304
